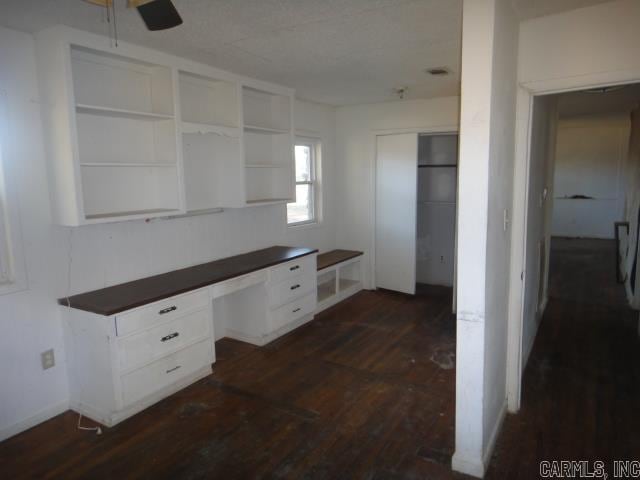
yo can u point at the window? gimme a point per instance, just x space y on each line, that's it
304 210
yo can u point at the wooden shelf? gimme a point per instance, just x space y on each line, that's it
117 164
264 130
204 128
134 213
438 166
120 113
266 165
268 201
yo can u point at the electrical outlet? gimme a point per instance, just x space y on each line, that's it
48 359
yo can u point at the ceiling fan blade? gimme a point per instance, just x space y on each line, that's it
157 14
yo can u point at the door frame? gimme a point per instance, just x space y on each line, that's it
431 130
524 112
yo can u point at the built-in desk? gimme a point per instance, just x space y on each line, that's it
130 345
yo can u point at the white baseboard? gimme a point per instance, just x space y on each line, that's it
476 466
467 465
34 420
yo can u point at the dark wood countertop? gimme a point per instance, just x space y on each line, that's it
118 298
333 257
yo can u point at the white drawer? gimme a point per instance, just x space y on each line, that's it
140 348
299 266
290 312
160 312
291 288
239 283
158 375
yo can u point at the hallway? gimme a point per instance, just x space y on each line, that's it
581 391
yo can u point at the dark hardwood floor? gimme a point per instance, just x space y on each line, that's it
581 390
366 391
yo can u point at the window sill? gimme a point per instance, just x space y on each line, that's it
304 226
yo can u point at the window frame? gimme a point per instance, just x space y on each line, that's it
315 146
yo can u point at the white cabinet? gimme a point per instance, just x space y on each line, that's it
134 133
121 364
271 303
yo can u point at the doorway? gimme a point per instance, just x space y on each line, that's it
580 184
415 221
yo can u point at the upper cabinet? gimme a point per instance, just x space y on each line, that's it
134 133
268 140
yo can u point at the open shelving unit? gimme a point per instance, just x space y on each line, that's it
134 133
268 146
211 142
338 281
126 136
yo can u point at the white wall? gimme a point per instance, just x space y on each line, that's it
356 127
104 255
592 41
489 66
540 204
590 157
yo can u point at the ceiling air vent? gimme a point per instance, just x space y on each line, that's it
438 71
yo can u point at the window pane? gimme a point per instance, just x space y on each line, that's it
301 209
303 163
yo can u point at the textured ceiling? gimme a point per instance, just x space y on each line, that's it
332 51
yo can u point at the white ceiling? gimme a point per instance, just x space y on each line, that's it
332 51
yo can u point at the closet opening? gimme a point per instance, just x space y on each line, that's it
416 191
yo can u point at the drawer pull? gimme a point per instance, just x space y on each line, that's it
173 369
169 337
296 310
295 267
297 285
168 310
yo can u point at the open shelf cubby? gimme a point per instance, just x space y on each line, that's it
114 191
208 101
120 84
266 112
265 185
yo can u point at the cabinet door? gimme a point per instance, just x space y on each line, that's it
396 205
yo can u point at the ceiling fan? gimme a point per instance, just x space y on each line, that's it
156 14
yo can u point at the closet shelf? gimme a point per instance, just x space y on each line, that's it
121 113
264 130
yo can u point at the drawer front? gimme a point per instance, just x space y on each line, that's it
154 377
140 348
239 283
293 311
303 265
291 288
160 312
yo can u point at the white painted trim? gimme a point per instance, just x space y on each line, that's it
34 420
477 467
435 130
526 93
495 432
467 465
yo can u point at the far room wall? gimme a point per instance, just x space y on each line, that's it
590 158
